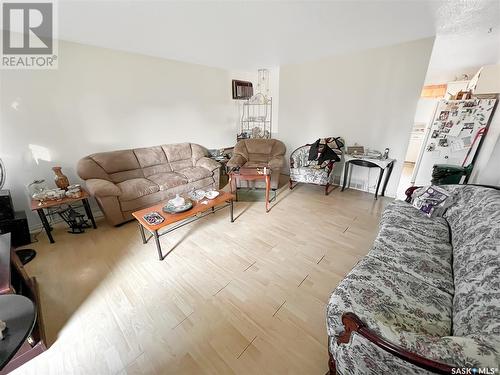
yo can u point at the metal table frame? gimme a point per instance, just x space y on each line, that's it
156 234
46 224
369 164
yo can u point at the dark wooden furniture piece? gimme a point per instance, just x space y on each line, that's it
199 210
250 174
17 282
352 324
19 314
369 164
41 206
222 158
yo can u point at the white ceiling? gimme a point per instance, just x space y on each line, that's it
251 34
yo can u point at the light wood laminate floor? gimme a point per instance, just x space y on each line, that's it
241 298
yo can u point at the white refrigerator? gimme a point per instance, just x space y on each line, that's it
453 136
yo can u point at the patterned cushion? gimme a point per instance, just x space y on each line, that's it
390 301
475 225
311 175
413 243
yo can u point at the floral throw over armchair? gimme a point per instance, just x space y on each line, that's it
313 163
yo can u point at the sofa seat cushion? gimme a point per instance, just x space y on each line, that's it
136 187
195 173
310 175
415 244
143 202
390 302
168 180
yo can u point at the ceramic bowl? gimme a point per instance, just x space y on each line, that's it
211 194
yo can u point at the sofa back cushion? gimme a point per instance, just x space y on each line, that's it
122 165
474 220
119 165
152 160
178 155
259 150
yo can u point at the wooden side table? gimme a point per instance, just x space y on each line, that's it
41 206
250 174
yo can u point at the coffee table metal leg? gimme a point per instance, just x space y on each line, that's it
143 235
232 212
45 224
158 246
88 211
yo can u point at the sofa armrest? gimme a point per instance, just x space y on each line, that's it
102 188
436 354
276 162
208 163
236 161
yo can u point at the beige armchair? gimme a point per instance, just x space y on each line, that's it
256 153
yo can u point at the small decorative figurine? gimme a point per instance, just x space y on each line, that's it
386 153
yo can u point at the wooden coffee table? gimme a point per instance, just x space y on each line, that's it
199 210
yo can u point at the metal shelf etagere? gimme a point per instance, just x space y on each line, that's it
256 117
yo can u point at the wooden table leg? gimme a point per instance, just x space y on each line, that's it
268 187
45 224
232 180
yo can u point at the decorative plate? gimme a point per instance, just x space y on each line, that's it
171 209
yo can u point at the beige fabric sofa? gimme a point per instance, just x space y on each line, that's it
253 153
125 181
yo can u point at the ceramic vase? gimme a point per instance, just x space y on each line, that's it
60 179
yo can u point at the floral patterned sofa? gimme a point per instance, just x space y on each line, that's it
426 298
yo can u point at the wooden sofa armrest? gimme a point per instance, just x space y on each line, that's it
352 323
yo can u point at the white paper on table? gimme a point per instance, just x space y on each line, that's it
455 130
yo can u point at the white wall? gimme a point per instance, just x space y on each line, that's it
368 97
100 100
486 167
